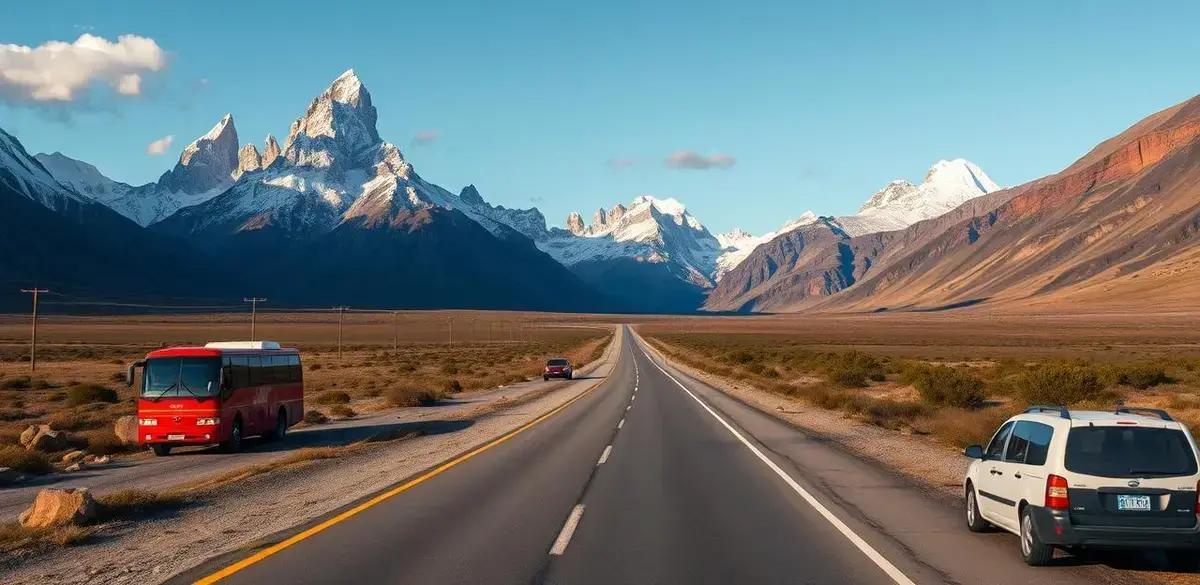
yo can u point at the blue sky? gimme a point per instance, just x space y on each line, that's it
818 105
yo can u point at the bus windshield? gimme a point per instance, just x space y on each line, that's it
197 377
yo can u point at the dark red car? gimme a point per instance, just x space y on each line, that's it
558 368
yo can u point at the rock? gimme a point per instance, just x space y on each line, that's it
97 460
248 160
126 429
78 466
28 434
270 152
54 507
73 457
48 440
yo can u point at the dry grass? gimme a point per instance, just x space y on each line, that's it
79 383
15 537
958 401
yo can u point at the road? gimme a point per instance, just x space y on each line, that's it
651 477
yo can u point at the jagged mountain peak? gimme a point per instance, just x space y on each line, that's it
961 172
270 151
338 129
470 194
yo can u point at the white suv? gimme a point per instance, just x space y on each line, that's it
1059 478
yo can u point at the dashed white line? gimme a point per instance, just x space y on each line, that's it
604 455
629 407
862 545
568 530
621 424
632 398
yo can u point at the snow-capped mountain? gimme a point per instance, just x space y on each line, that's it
23 174
207 167
900 204
345 215
737 244
651 230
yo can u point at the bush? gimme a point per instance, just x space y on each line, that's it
453 387
17 383
105 442
449 368
314 367
946 386
1140 376
847 378
333 397
851 369
71 420
315 417
89 393
1060 384
411 396
342 411
23 460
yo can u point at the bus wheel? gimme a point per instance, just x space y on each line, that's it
281 425
234 444
161 450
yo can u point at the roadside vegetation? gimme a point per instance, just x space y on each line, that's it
79 388
956 402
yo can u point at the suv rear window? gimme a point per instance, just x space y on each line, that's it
1129 452
558 363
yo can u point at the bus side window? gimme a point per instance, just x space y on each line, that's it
241 372
257 375
297 371
226 374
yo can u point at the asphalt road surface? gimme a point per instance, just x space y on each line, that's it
651 477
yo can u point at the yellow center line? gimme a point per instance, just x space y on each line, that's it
266 552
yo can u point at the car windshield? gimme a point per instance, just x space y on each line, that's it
1129 452
187 376
558 363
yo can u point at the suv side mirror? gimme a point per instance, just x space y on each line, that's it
974 452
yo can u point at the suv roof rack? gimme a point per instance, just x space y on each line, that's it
1160 413
1062 411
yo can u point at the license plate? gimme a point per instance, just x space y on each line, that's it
1134 503
180 438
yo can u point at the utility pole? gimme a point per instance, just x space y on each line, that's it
451 321
254 301
341 314
33 337
395 331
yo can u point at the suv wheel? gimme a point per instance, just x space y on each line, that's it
975 522
1035 552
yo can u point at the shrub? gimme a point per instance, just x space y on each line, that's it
1061 384
960 428
17 383
105 442
847 378
450 368
333 397
411 396
315 417
850 369
133 503
1140 376
71 420
453 386
946 386
89 393
314 367
343 411
23 460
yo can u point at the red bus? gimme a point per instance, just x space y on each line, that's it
217 394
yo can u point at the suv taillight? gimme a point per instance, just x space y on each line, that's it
1056 493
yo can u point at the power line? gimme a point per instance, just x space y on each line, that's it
33 336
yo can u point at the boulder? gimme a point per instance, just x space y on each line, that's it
54 507
77 466
28 434
48 440
126 429
73 457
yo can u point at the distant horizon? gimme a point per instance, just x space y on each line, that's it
778 109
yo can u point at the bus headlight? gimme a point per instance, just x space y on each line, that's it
147 422
208 422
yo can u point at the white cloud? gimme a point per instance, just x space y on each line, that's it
160 146
424 137
58 71
690 159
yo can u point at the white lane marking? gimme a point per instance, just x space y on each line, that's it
629 407
867 549
621 424
604 455
568 530
632 398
